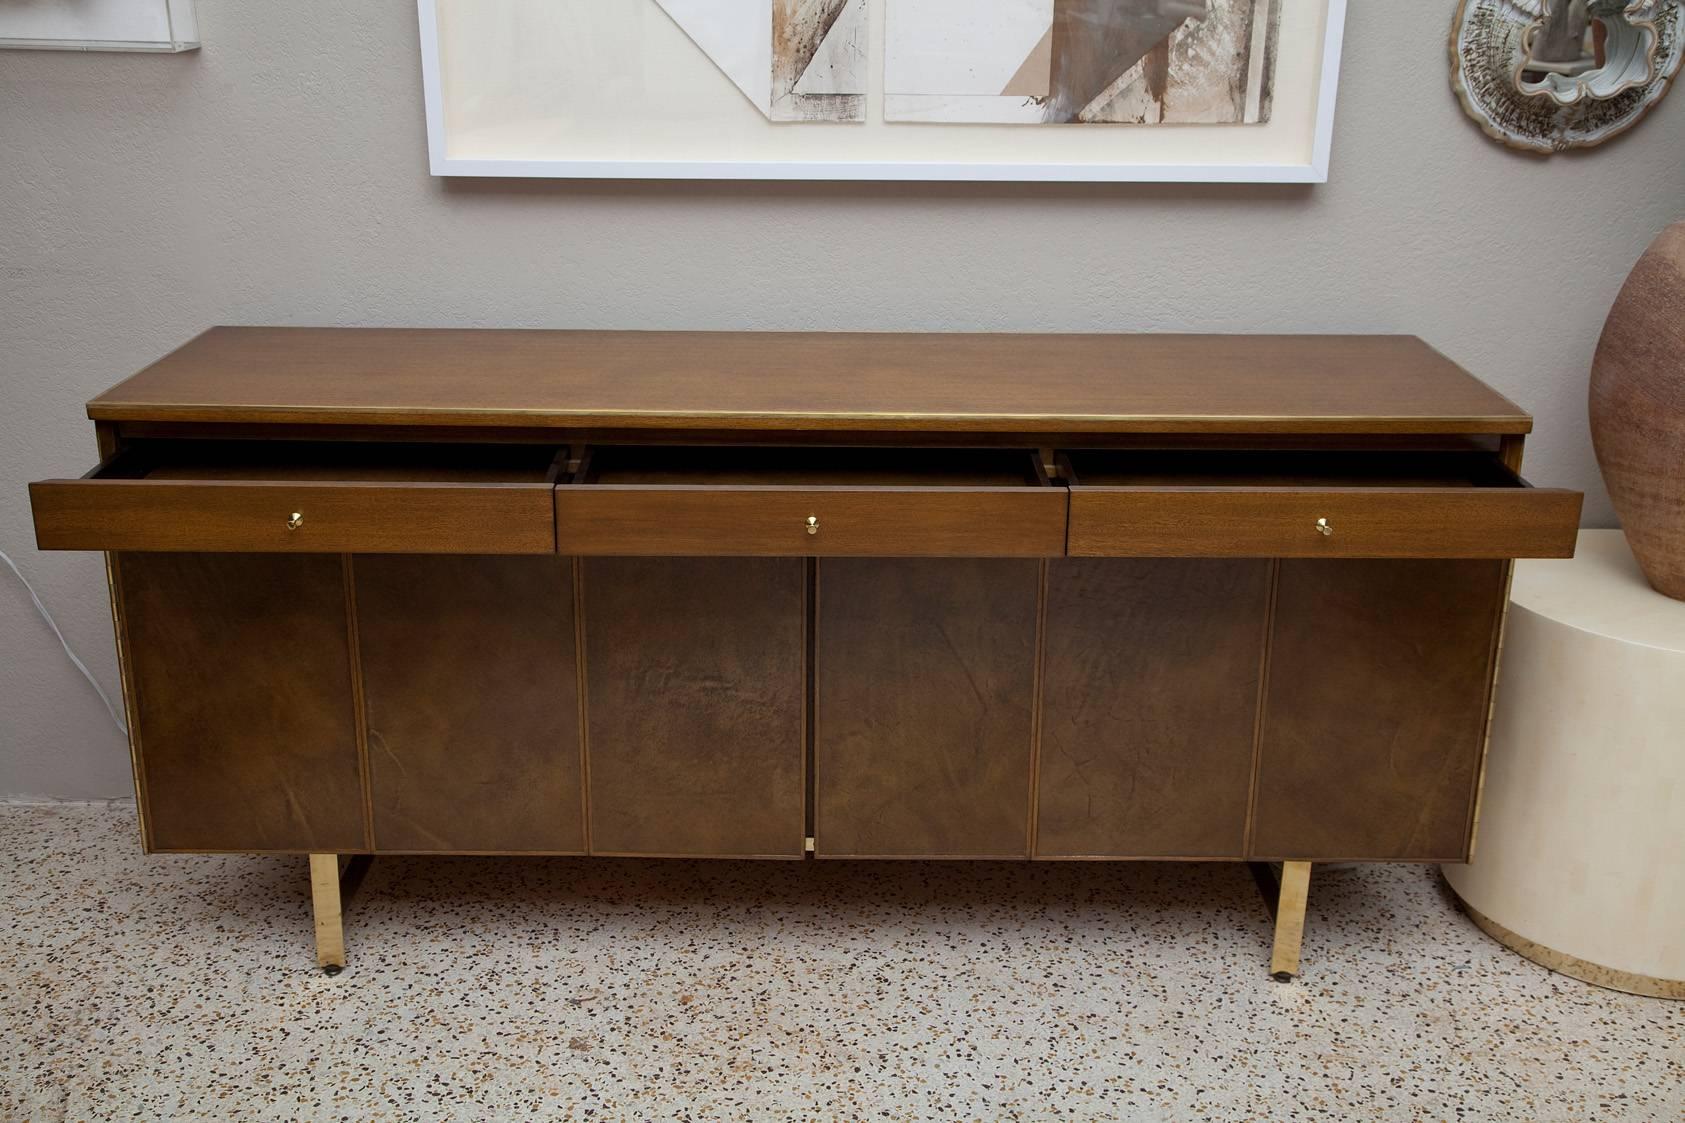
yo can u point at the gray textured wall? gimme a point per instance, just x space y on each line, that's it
280 176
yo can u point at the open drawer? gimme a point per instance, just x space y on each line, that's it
1188 503
875 502
307 497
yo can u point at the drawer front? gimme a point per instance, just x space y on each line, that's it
774 521
1329 523
143 515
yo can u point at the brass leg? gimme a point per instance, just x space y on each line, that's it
330 928
1290 919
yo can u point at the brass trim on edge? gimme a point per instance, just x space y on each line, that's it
1585 971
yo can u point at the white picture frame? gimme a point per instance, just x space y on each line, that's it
150 26
458 144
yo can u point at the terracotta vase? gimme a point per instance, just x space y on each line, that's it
1638 410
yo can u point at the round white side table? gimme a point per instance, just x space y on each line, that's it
1579 859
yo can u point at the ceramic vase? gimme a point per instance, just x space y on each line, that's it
1638 410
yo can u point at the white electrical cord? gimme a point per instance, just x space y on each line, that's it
80 666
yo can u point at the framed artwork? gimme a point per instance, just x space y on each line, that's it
1077 90
160 26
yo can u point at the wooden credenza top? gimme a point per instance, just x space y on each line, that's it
843 382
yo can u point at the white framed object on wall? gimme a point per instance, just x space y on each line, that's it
99 25
985 90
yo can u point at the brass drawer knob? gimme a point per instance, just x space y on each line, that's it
813 524
1324 528
296 521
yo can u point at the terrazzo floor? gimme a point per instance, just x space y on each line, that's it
170 988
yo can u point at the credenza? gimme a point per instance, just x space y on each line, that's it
808 596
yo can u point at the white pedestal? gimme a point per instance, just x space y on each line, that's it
1580 853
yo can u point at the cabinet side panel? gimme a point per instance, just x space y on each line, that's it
1150 699
924 697
472 702
242 697
1376 709
125 671
695 684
